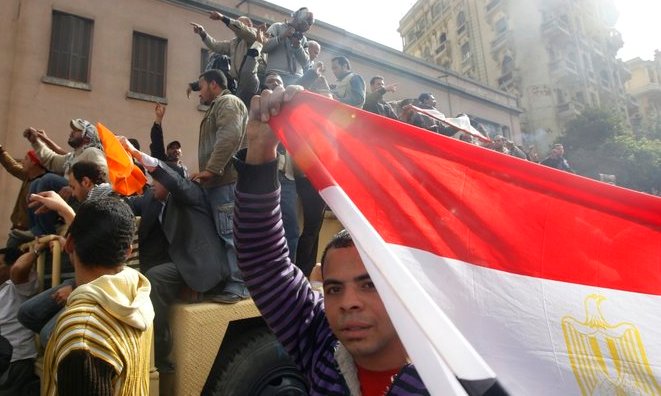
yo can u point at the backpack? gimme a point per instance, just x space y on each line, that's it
222 63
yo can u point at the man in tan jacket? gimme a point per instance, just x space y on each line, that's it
222 134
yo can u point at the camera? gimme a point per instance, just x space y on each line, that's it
297 35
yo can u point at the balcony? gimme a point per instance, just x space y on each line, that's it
557 29
592 77
441 48
501 40
614 41
506 81
564 70
493 5
569 110
652 90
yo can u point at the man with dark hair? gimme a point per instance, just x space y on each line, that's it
17 284
556 159
374 102
87 181
350 86
343 340
40 313
222 134
111 303
427 101
273 80
503 145
195 255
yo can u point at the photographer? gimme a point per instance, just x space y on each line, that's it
287 46
242 71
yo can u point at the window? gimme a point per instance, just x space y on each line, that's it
70 43
501 26
465 51
507 65
148 65
442 38
651 75
461 19
437 9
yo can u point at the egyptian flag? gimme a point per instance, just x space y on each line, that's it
124 176
494 270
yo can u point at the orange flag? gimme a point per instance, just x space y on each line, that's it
125 177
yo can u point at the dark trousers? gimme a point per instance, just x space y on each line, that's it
19 379
313 218
165 285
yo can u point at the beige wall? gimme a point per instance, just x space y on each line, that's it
25 27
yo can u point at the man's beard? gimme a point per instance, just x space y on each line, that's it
75 142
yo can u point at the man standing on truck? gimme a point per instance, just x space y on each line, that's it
222 134
344 341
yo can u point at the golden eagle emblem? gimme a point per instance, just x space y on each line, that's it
607 359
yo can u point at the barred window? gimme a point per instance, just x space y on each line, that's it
71 40
148 65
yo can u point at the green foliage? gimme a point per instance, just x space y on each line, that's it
592 128
597 142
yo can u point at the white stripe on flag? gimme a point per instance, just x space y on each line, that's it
429 336
515 322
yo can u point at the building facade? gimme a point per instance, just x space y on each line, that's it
111 61
557 56
645 87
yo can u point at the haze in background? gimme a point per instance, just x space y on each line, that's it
379 20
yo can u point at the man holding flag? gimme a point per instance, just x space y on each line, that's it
344 341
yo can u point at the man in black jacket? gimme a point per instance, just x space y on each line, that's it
177 219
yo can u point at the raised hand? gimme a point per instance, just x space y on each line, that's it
262 143
215 15
198 29
159 112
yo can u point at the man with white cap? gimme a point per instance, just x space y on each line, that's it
84 139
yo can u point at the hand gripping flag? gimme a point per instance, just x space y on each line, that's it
487 264
124 176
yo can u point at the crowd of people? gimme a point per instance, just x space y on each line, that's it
222 234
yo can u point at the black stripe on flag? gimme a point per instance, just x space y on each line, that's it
483 387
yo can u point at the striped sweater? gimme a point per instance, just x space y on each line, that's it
107 322
293 311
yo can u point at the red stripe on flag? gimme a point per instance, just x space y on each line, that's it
461 201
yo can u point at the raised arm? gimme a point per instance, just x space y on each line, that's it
276 34
221 47
280 290
242 31
50 143
50 200
51 160
182 189
157 145
11 165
